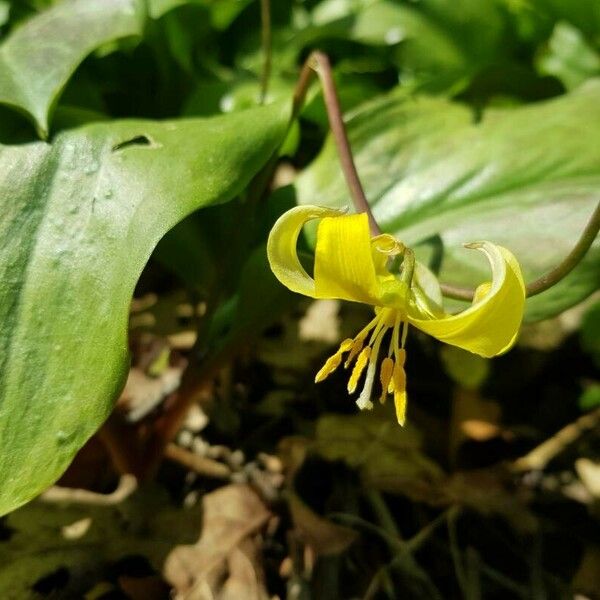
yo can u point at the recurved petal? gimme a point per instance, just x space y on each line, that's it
344 265
490 325
282 247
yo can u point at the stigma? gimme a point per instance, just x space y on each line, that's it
362 353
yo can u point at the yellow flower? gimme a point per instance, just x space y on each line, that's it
352 265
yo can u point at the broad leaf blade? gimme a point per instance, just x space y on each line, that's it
526 178
38 58
80 219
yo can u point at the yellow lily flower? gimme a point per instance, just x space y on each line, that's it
352 265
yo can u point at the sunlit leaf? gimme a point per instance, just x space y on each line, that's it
38 58
569 57
80 219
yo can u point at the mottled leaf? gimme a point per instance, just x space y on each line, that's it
80 219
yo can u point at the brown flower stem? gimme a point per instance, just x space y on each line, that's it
265 23
456 292
319 63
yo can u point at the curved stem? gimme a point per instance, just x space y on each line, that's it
456 292
552 277
320 63
588 235
265 22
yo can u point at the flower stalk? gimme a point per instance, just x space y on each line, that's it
318 63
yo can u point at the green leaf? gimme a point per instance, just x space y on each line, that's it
526 178
589 334
388 458
4 12
466 369
80 219
44 540
569 57
590 398
38 58
437 44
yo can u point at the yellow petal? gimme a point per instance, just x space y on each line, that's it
282 251
491 324
343 261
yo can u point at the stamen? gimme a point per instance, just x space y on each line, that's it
401 357
364 400
385 376
359 340
333 362
400 399
404 332
359 367
356 348
395 335
399 383
380 325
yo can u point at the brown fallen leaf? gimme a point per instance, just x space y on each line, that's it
245 579
323 536
487 491
214 565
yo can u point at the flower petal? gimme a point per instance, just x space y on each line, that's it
344 265
282 251
491 324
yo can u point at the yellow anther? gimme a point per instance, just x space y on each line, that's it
359 367
356 348
399 384
400 403
385 376
333 362
345 345
399 378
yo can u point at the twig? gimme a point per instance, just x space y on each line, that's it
265 24
127 485
540 456
199 464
